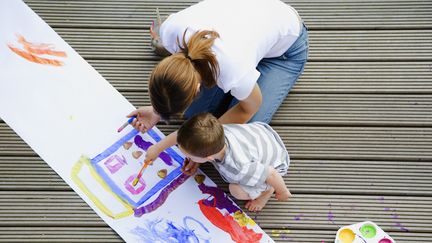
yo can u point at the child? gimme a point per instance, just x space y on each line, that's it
251 157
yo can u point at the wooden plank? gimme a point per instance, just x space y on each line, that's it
319 77
357 45
58 234
409 178
314 142
105 234
334 14
325 212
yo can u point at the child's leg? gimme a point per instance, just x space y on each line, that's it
238 192
258 202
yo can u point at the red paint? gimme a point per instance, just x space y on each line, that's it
228 224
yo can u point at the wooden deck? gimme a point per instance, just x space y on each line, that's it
358 124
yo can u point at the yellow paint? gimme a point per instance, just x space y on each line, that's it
346 236
243 219
74 174
277 233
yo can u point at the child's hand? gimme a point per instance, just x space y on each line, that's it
146 118
189 167
152 153
284 196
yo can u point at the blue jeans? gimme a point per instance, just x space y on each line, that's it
278 75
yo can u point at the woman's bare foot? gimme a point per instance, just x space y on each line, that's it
259 203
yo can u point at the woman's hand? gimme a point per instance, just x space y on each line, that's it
146 118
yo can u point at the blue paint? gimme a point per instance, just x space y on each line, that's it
163 230
161 184
114 147
144 145
170 151
116 189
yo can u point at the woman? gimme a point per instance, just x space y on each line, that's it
252 50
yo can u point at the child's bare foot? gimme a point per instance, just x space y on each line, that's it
259 203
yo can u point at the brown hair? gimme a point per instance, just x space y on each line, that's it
174 81
202 135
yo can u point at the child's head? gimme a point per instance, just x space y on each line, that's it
175 81
200 137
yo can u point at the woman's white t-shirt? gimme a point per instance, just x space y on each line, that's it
249 30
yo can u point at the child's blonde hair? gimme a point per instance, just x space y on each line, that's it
202 135
174 81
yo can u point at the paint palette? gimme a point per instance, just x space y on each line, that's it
364 232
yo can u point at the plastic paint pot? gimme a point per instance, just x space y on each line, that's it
368 231
385 240
346 236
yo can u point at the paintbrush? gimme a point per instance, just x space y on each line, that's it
135 181
126 124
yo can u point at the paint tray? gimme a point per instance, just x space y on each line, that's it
364 232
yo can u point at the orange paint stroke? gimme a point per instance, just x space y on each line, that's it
40 49
228 224
33 58
32 52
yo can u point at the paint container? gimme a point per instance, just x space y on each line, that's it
385 240
368 231
346 236
364 232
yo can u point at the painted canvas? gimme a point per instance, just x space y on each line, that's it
68 114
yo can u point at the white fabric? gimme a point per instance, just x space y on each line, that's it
249 30
251 149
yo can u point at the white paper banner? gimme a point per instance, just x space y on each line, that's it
68 114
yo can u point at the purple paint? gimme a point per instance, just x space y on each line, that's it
141 143
138 188
298 217
144 145
381 198
220 199
330 217
115 163
401 227
256 216
138 212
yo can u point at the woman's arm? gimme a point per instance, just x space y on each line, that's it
245 109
